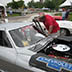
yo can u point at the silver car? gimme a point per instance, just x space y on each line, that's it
22 47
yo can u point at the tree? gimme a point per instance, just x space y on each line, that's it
20 3
39 5
33 4
63 1
49 4
16 5
53 4
57 3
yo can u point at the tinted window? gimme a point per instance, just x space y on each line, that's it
4 40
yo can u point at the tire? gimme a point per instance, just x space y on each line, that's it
2 70
64 32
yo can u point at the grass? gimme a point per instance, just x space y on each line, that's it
70 16
14 14
59 14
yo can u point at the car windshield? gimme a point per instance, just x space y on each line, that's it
25 36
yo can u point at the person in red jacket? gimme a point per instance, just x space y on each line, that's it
50 24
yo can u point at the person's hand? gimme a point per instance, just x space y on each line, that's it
49 33
46 35
37 19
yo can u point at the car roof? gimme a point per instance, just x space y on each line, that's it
11 26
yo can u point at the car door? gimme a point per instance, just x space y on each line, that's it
7 52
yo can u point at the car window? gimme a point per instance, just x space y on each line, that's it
25 36
4 40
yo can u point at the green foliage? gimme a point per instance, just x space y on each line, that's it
39 5
52 4
9 4
33 4
16 5
13 15
49 4
20 3
70 16
57 3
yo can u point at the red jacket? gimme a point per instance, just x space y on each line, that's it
50 21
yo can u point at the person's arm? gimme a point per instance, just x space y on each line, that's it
37 19
50 29
50 23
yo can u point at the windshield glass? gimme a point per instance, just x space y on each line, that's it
25 36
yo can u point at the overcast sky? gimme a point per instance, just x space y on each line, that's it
6 1
26 1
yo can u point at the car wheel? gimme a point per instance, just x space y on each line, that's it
2 70
64 32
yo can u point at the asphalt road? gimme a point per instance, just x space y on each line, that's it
20 18
8 67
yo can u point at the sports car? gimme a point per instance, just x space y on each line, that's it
22 46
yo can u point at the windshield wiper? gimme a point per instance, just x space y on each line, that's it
47 44
39 40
